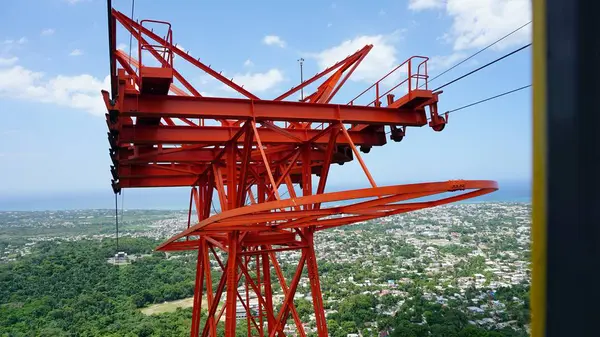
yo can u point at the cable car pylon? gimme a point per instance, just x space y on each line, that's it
243 152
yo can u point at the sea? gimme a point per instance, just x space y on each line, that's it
178 198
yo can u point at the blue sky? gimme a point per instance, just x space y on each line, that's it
54 61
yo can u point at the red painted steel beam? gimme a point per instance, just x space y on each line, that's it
170 181
127 156
271 238
163 170
158 182
263 110
214 135
196 156
151 176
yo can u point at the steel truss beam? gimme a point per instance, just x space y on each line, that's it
264 110
215 135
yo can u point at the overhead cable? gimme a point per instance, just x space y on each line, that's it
111 44
117 220
483 66
122 193
481 50
131 34
489 98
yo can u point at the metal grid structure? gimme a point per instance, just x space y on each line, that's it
164 133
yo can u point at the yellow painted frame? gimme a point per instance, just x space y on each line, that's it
538 231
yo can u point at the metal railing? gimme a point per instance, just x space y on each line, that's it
409 79
165 51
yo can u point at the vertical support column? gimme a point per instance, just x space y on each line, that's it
196 311
266 267
208 196
231 175
306 173
233 246
245 159
220 186
261 190
268 291
260 293
210 321
201 191
190 209
232 281
248 311
315 284
198 199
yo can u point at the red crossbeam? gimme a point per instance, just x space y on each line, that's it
262 110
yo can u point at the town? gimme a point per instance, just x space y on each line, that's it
463 256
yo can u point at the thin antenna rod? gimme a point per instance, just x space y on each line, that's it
301 60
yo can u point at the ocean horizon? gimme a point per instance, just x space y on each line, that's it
178 198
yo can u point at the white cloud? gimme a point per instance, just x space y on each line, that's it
122 47
72 2
274 40
8 61
248 63
11 42
204 79
444 61
76 52
254 82
259 82
417 5
329 24
47 32
78 92
9 46
477 23
380 60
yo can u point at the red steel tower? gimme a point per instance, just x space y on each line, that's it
244 152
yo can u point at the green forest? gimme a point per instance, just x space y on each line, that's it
69 289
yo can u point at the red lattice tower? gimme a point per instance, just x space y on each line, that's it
247 150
